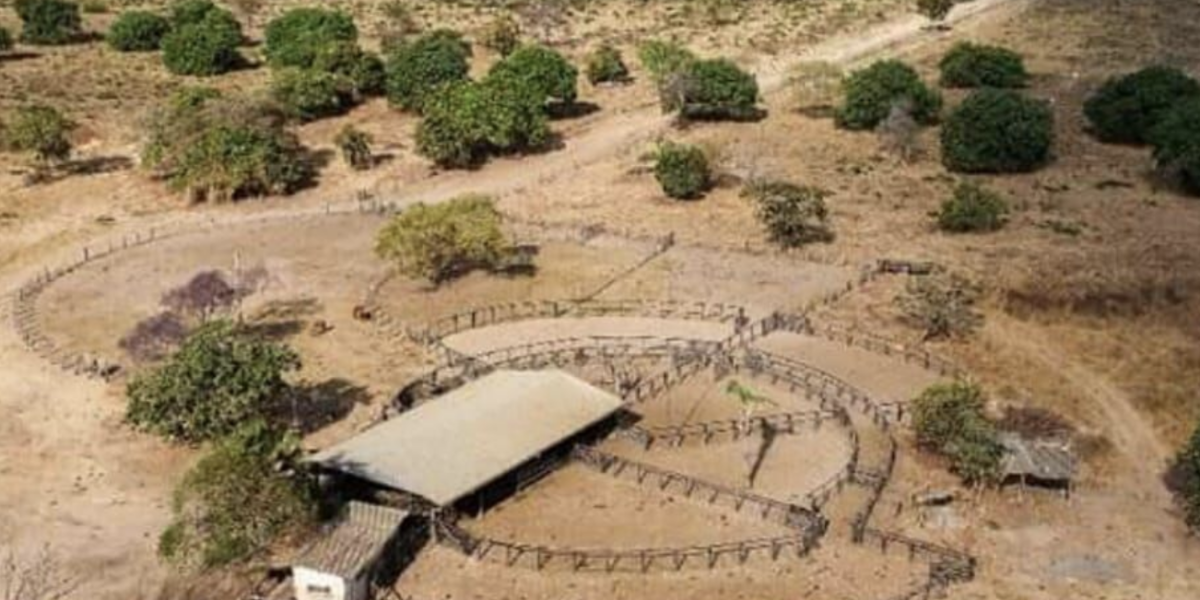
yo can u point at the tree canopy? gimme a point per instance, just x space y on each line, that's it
440 241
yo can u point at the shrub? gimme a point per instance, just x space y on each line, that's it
969 65
663 59
295 38
441 241
682 170
942 305
545 71
206 48
1125 109
502 35
935 10
220 149
137 31
972 208
42 130
793 215
6 41
240 497
49 22
716 89
870 94
308 94
997 131
1186 472
362 69
204 296
949 419
190 12
465 122
416 68
605 65
217 380
1176 141
355 147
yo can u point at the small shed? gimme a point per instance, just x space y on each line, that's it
343 563
1043 463
456 445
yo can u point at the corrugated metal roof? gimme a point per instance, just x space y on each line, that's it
446 449
354 541
1040 459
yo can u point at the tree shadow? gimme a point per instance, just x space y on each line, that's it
281 319
571 110
97 165
311 406
18 56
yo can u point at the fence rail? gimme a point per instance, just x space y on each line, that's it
706 432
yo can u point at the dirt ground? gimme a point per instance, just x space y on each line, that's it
1097 325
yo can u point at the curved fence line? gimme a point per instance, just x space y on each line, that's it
788 423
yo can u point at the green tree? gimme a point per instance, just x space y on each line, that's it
137 31
42 130
998 131
543 70
245 493
217 380
870 94
355 147
949 419
364 70
1127 108
1186 472
1176 141
295 38
205 48
441 241
182 13
664 59
972 208
682 170
49 22
465 122
793 215
714 89
416 68
605 65
969 65
309 94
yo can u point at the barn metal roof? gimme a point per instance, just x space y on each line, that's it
354 541
448 448
1040 459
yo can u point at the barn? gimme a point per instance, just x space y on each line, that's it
344 562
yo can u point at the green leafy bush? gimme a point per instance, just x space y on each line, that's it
6 40
217 380
441 241
663 59
870 94
206 48
969 65
241 496
465 122
949 419
935 10
190 12
793 215
49 22
308 94
972 208
502 36
362 69
605 65
997 131
295 38
1125 109
1186 475
355 147
217 149
1176 141
716 89
682 170
416 68
42 130
137 31
543 70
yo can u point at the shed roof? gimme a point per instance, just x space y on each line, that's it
448 448
1040 459
354 541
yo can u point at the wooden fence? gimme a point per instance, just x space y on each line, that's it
734 429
